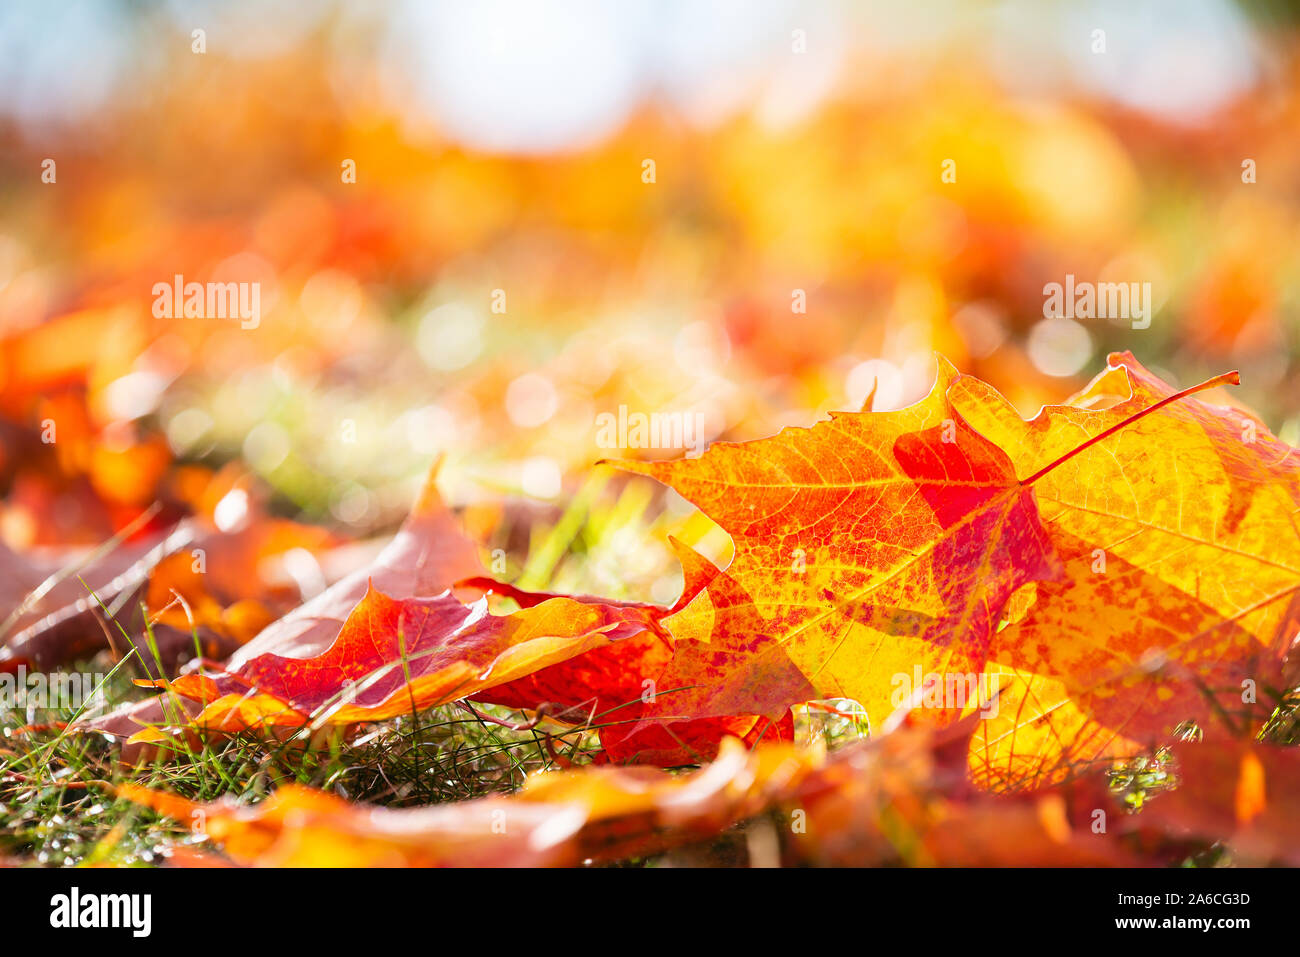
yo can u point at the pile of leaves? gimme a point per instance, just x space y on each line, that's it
1030 630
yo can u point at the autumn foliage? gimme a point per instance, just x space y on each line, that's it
516 434
1097 579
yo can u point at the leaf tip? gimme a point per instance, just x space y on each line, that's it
429 501
870 400
945 372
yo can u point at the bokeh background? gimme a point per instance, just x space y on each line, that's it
500 156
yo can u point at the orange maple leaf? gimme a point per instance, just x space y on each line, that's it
946 540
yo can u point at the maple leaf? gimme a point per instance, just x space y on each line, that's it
864 546
879 546
395 657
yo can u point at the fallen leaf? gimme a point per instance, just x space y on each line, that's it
394 657
864 547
